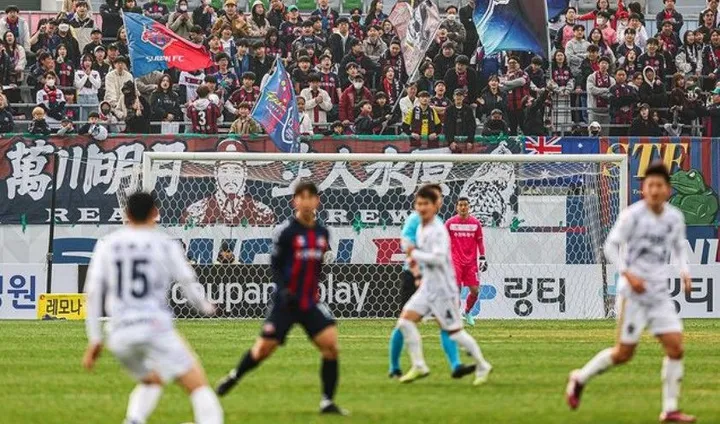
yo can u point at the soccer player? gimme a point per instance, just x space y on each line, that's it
134 268
468 252
437 294
298 249
410 281
649 230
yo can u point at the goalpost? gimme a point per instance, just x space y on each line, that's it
545 219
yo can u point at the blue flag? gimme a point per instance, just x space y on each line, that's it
277 111
519 25
557 7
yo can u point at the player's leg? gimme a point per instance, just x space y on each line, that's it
448 316
274 331
631 321
666 325
143 399
470 280
410 316
205 404
407 289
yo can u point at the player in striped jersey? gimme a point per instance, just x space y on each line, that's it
298 249
649 230
134 268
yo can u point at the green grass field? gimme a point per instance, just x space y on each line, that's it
43 382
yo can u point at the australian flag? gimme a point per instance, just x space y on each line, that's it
153 47
276 110
519 25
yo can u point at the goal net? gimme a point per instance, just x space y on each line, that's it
545 219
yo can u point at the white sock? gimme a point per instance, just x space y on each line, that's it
413 341
601 362
672 374
142 402
206 406
466 341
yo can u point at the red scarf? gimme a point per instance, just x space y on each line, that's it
51 94
389 90
602 81
462 80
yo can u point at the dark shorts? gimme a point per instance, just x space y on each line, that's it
280 320
407 286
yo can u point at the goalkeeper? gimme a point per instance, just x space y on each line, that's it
409 280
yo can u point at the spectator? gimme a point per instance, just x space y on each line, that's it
13 22
561 84
164 102
244 124
707 25
351 98
459 121
45 63
427 80
51 99
576 49
204 113
131 6
463 77
247 93
338 129
45 38
365 123
375 14
381 107
455 29
107 116
93 128
713 10
594 129
631 64
712 114
668 39
197 35
487 65
181 21
393 57
589 65
390 85
596 38
276 15
491 98
671 15
357 55
602 23
644 125
422 121
637 81
116 80
438 101
711 60
292 28
95 41
627 45
684 101
602 6
536 74
134 109
189 83
66 127
356 29
83 25
388 32
534 114
227 81
64 68
231 17
441 37
567 32
301 74
652 90
306 127
517 85
261 63
306 39
689 58
111 19
258 24
274 47
15 65
155 10
340 42
495 126
327 16
203 15
598 89
623 99
641 35
38 125
87 82
373 46
7 125
445 60
410 100
317 101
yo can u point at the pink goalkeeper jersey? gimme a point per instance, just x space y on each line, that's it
466 240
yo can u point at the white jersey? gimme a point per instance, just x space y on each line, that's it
648 240
432 253
134 268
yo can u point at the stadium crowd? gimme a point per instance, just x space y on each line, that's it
622 77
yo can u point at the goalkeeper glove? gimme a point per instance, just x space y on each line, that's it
482 264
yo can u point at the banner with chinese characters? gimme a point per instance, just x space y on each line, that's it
90 174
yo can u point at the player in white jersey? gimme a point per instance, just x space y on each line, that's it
648 231
134 267
438 292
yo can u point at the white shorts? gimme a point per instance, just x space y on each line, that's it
633 317
166 353
445 310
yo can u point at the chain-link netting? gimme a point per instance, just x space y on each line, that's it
544 225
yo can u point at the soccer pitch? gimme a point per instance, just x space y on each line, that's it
44 383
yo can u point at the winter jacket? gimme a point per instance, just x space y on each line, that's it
179 26
491 102
317 111
113 85
652 92
673 15
451 81
7 124
442 65
163 103
534 116
339 48
576 52
111 19
642 127
23 36
374 50
689 60
348 100
459 122
258 30
39 127
598 96
495 128
623 98
456 32
53 109
366 124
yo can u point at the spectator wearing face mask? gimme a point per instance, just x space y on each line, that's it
51 99
495 126
106 116
351 99
181 21
455 30
594 129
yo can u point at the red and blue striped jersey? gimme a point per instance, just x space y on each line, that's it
297 262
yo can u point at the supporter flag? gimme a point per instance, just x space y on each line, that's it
276 110
556 145
556 7
519 25
153 47
417 30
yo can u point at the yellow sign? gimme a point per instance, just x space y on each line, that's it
69 306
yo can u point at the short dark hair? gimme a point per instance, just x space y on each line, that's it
202 92
306 187
139 206
659 169
463 199
578 26
427 192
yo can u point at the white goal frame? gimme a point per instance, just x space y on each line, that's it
620 160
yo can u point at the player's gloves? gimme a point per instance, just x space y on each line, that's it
482 264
